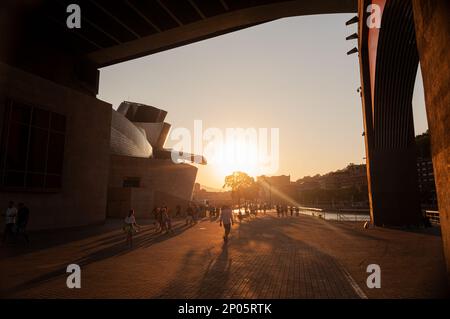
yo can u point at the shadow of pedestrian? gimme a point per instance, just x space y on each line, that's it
115 246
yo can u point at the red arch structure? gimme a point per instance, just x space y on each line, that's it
45 63
411 31
389 60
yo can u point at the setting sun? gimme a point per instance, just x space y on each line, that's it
238 156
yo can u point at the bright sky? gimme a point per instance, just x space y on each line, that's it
292 74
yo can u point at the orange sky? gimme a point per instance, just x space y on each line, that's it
292 74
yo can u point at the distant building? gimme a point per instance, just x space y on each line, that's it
425 178
353 176
277 189
344 187
211 198
425 173
277 181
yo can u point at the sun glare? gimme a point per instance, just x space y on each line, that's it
238 156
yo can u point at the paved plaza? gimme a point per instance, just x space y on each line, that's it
267 257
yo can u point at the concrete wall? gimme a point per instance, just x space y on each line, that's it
432 24
122 199
82 198
161 181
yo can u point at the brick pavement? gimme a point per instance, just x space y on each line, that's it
267 257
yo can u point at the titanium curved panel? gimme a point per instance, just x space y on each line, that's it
127 139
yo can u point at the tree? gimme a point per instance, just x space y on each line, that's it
239 182
252 192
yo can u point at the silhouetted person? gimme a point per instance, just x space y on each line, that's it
130 227
190 215
156 215
178 211
23 215
196 214
226 219
166 220
10 219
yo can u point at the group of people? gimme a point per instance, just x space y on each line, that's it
16 220
192 214
164 223
283 210
163 220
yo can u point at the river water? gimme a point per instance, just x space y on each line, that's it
352 217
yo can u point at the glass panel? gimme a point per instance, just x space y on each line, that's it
21 142
35 180
21 113
17 146
41 118
58 122
53 181
132 182
14 179
37 152
55 153
3 139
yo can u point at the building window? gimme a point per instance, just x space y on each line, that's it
31 148
132 182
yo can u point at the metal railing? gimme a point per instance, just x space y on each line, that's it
349 214
433 216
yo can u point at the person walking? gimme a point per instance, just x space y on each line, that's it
156 214
130 227
196 214
166 220
189 215
161 221
10 219
226 219
23 215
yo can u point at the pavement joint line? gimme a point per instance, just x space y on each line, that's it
352 282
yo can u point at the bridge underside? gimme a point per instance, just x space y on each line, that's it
44 63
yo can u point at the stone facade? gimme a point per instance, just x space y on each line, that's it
158 182
432 25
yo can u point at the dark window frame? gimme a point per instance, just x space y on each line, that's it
131 182
27 171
